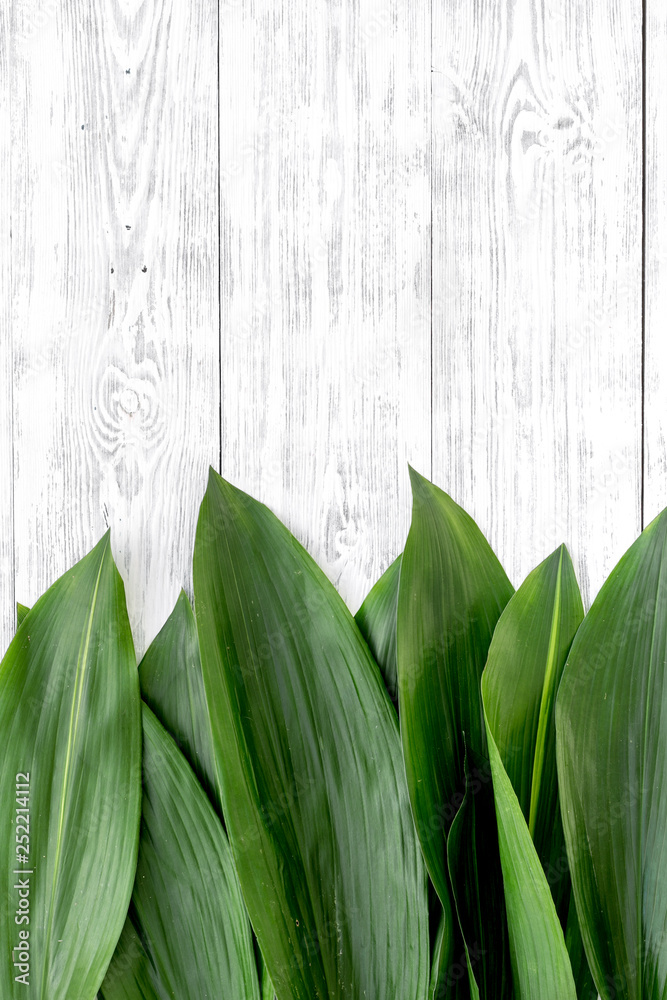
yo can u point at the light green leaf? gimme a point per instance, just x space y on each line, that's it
376 619
451 593
172 685
309 759
540 962
611 721
21 614
70 719
187 910
524 667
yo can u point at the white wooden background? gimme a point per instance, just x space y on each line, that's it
309 241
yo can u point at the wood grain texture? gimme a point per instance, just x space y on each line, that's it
537 275
7 606
325 260
116 318
655 293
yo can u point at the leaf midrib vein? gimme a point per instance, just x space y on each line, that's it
81 669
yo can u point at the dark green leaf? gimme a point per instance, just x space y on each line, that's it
172 685
268 992
131 975
611 721
309 759
476 877
583 979
187 912
525 664
376 619
70 718
540 963
443 955
452 591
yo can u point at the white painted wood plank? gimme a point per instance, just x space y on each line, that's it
7 606
116 288
655 414
325 209
537 275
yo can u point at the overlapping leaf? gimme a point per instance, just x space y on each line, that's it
172 685
376 619
477 886
131 975
268 992
540 963
452 591
70 719
443 958
525 664
308 754
611 720
187 912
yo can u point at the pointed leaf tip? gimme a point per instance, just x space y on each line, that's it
421 486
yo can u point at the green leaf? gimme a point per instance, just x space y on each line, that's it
267 990
540 963
525 664
583 979
130 975
452 591
70 718
611 721
187 909
476 878
376 619
21 614
443 954
172 685
310 766
523 671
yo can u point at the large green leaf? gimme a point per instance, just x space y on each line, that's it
477 886
172 685
524 667
611 721
70 719
309 758
376 619
452 591
540 962
187 911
